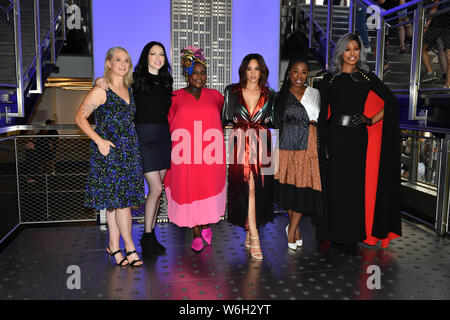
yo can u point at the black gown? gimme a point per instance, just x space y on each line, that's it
352 215
236 112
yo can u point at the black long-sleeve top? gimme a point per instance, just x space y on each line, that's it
152 106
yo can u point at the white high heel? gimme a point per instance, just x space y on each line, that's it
291 245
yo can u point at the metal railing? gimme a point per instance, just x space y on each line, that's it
28 65
402 76
415 14
43 178
7 8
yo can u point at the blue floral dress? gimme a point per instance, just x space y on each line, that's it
115 181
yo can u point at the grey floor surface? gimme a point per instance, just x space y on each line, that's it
37 265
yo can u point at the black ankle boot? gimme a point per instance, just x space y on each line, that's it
148 249
158 247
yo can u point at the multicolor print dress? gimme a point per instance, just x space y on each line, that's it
115 181
297 182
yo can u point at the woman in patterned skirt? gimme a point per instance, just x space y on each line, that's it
297 182
115 176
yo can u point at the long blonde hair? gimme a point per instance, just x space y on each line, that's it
128 79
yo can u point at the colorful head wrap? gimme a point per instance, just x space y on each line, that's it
190 55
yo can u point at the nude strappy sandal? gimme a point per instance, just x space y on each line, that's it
254 255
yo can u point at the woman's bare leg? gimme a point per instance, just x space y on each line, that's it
252 228
123 220
114 235
196 232
293 231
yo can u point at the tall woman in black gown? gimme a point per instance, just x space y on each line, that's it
359 152
248 106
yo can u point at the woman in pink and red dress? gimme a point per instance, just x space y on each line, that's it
196 182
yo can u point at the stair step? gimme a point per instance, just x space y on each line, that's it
324 18
397 77
397 86
336 24
324 8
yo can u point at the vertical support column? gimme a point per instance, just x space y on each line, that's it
414 158
329 34
443 188
312 4
352 16
381 35
52 31
63 19
18 60
17 178
416 60
37 42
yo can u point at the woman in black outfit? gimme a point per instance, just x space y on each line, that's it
359 152
152 91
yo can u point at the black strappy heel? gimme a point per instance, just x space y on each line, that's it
132 263
112 254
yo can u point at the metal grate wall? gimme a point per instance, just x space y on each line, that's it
52 174
9 209
7 60
44 180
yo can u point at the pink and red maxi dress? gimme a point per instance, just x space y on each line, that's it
195 184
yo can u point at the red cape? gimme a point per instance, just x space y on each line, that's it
382 209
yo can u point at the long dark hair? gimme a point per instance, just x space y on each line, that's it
282 96
262 67
142 80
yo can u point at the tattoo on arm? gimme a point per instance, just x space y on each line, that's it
88 108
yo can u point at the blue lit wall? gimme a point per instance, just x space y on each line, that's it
256 29
129 24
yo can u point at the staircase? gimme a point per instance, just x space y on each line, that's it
397 78
14 91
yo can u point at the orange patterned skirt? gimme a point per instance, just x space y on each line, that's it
297 181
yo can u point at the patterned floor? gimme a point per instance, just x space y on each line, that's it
35 266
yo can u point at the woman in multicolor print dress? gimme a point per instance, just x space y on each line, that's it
115 176
297 184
